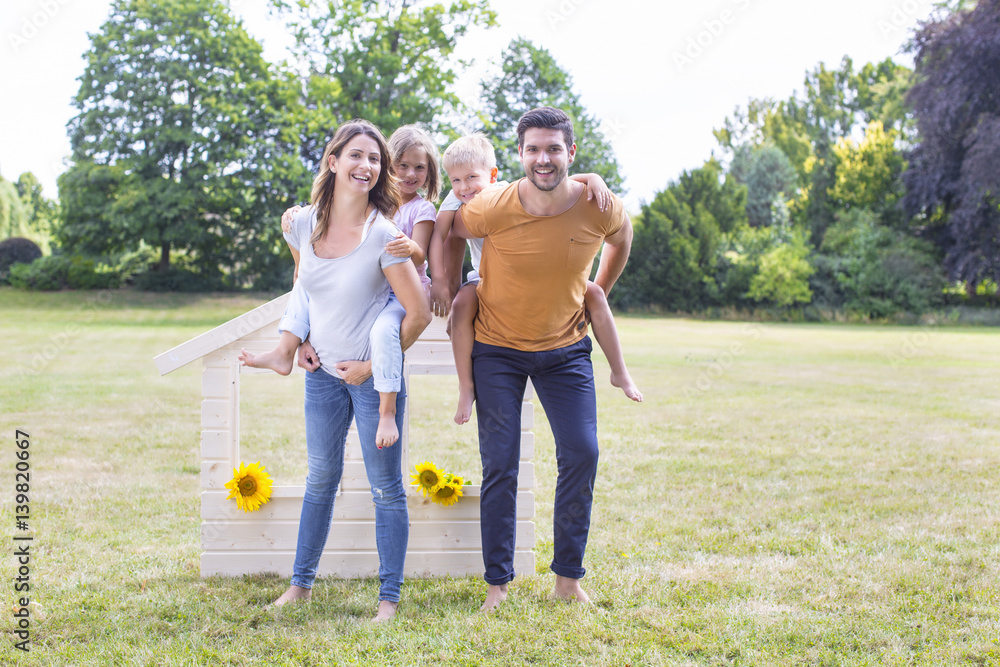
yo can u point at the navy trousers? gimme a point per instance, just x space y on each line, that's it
564 381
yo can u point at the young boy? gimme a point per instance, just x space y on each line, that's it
471 166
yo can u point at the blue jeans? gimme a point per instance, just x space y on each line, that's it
564 380
330 404
387 355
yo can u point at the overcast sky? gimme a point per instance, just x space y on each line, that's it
660 75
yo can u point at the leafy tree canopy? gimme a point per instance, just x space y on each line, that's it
530 77
953 182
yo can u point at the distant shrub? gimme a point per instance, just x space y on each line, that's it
17 250
178 279
60 272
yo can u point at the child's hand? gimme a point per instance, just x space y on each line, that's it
441 298
289 215
402 246
597 188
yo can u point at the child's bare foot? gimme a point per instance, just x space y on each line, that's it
569 590
625 383
387 434
386 611
277 362
466 396
293 594
494 596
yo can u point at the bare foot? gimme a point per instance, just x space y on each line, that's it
387 434
293 594
274 360
386 611
625 383
494 596
569 590
466 397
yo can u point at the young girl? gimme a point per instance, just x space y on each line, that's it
414 165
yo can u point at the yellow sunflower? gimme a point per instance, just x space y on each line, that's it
448 493
250 485
428 477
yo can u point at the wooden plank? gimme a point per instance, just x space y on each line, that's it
357 564
286 504
263 316
351 535
215 414
215 444
216 382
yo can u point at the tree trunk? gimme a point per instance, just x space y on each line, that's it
164 265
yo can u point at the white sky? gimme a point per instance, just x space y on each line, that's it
660 75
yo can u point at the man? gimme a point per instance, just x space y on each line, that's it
541 237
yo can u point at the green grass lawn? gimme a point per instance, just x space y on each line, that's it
786 495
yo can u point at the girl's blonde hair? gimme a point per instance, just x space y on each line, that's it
410 136
384 196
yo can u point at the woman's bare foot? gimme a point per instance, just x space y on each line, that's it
386 611
293 594
494 596
624 382
387 434
275 360
466 397
569 590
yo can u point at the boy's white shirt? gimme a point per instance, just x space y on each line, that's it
453 203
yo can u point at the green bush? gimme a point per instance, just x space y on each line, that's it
17 250
60 272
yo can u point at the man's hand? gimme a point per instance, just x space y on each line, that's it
308 359
354 372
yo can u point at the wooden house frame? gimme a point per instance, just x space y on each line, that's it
443 540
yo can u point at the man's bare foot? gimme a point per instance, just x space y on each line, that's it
625 383
387 434
386 611
293 594
569 590
277 362
494 596
466 397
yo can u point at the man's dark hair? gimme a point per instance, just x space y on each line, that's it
547 118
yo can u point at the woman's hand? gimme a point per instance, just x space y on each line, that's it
308 359
401 246
354 372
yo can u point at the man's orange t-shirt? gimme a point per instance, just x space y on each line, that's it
534 269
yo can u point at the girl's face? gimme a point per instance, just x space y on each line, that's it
411 170
358 166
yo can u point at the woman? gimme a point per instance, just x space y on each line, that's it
346 272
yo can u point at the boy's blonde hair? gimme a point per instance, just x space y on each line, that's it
412 136
472 150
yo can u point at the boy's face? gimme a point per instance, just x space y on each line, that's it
468 180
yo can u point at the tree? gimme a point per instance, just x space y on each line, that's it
13 212
869 174
768 175
953 184
676 241
530 77
180 139
387 61
40 210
